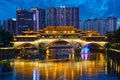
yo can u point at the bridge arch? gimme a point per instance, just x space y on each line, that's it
94 44
28 45
93 47
53 42
60 49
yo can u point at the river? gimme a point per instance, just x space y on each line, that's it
101 68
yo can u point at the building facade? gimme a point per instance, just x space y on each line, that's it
24 20
38 18
111 24
30 20
81 25
99 26
88 24
51 16
10 26
63 16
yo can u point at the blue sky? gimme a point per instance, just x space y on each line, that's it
88 8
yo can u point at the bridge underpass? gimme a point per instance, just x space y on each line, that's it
92 51
26 51
60 50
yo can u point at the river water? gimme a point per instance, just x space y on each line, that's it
102 68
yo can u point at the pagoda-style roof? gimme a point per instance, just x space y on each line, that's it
28 31
60 28
59 32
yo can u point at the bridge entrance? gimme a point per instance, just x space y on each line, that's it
60 50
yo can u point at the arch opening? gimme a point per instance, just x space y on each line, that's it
93 47
91 51
26 45
59 50
26 51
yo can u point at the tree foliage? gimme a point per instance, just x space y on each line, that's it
113 39
114 36
5 38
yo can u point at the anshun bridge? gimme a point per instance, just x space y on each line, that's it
54 39
59 53
52 34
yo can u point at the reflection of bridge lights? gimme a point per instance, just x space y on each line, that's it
35 74
47 51
84 52
84 56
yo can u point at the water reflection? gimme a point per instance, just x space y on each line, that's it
60 53
35 74
5 66
7 70
113 66
95 69
86 54
80 70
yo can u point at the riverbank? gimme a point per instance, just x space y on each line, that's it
114 54
6 53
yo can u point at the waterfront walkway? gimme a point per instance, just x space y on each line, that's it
115 50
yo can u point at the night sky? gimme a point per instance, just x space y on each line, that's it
88 8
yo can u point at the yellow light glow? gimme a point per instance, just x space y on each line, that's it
47 51
101 57
46 32
72 32
65 32
54 70
68 32
54 32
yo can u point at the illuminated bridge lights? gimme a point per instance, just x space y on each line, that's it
84 52
64 34
61 47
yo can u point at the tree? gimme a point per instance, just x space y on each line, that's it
113 39
114 36
108 45
5 38
118 35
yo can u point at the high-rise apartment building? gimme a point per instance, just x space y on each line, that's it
99 26
89 24
81 25
51 16
63 16
24 20
111 24
10 26
38 18
30 20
